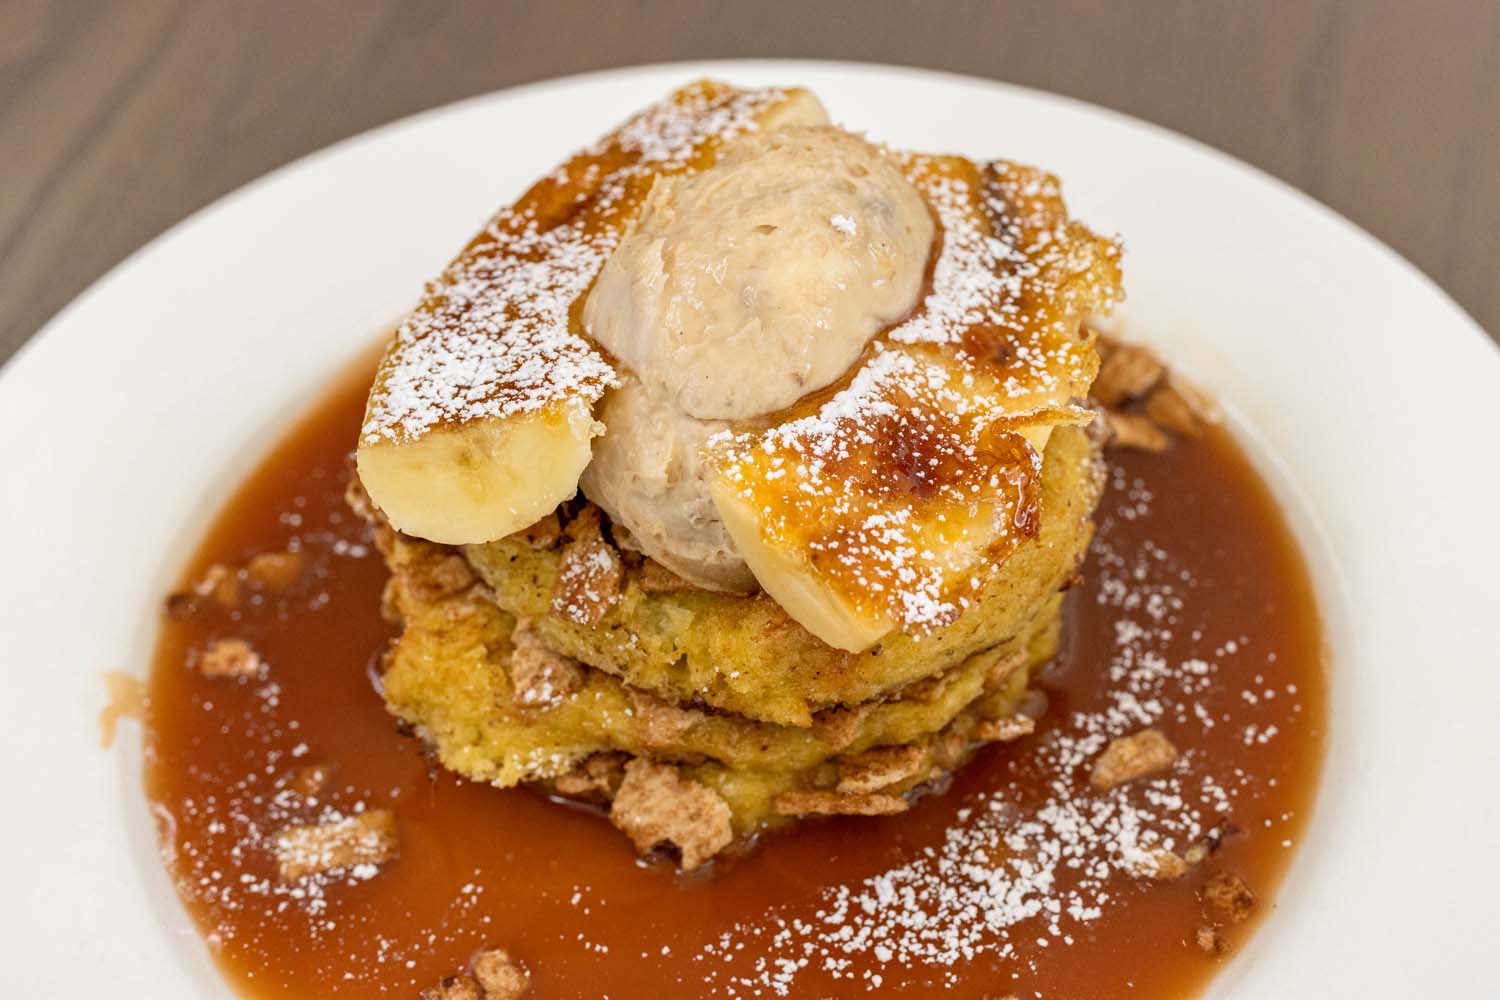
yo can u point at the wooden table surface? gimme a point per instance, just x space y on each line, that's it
118 119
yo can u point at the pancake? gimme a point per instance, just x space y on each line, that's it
746 656
455 675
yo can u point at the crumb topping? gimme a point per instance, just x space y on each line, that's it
1130 757
230 658
880 768
501 976
1227 898
539 677
835 803
495 335
363 840
590 574
656 804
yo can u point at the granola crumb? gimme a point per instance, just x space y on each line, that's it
1210 941
1130 431
544 534
1225 895
367 838
948 749
1130 757
929 689
657 579
454 988
539 677
1128 372
999 673
1005 730
220 583
590 573
275 571
1162 865
230 658
596 778
357 498
661 723
656 804
1168 408
833 803
435 574
500 976
874 770
308 780
837 727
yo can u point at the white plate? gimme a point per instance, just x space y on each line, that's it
1369 399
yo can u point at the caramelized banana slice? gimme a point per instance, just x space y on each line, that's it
479 419
889 503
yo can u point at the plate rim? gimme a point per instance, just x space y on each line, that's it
16 366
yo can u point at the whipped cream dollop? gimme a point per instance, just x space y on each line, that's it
740 290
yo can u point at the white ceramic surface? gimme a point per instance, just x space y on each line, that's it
1369 399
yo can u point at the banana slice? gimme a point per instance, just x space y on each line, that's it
792 582
890 503
485 480
479 419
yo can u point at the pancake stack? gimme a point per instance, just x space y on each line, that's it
911 527
701 719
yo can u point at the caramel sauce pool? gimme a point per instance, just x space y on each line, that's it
563 891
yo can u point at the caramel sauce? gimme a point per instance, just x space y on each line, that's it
126 696
228 763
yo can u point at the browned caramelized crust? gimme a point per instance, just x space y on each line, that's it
497 333
909 484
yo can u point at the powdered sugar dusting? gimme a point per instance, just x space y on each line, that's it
913 472
1031 863
494 336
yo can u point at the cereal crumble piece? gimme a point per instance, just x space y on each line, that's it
500 975
874 770
660 722
1210 941
1130 431
826 803
1226 895
929 689
1130 757
656 804
308 780
357 499
1129 371
220 583
837 727
539 677
367 838
1004 730
597 777
657 579
544 534
590 574
275 571
949 748
999 673
455 988
435 573
1160 864
230 658
1170 409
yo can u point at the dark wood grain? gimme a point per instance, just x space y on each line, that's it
118 119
